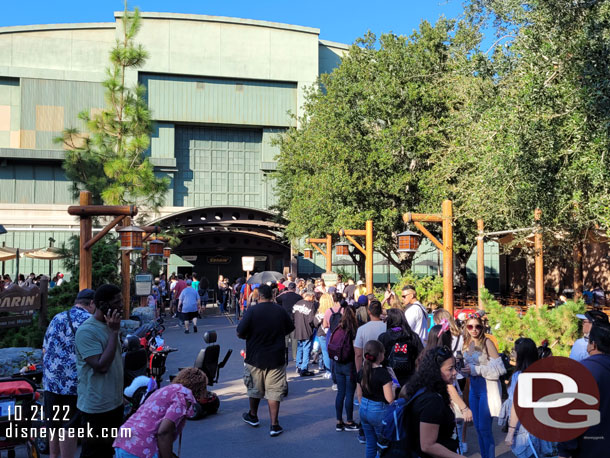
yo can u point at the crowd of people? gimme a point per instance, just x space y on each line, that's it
449 370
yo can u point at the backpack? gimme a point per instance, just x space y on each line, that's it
393 424
334 320
340 347
401 356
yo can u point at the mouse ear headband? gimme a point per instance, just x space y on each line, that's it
444 326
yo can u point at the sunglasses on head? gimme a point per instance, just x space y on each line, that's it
470 327
442 354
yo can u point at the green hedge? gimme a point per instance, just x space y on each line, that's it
558 325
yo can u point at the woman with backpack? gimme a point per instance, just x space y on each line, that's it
402 346
375 391
345 369
431 423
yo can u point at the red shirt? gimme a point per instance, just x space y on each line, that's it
180 286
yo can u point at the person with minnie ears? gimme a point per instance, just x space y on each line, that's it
375 391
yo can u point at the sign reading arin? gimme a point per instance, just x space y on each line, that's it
18 299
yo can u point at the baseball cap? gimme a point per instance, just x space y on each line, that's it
85 294
594 316
292 285
360 282
61 275
332 289
189 282
363 300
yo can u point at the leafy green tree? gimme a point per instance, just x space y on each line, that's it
365 142
118 137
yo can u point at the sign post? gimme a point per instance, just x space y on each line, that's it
247 264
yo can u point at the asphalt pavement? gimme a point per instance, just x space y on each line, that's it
307 414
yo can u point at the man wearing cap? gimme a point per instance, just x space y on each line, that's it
595 441
60 377
579 349
188 306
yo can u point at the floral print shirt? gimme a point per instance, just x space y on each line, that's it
174 402
60 375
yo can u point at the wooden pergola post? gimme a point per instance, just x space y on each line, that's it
367 250
446 247
85 211
480 262
538 253
328 254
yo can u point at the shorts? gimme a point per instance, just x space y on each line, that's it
270 384
188 316
60 410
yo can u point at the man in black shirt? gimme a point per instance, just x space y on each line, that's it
287 299
264 328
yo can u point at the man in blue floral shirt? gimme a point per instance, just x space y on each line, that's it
60 376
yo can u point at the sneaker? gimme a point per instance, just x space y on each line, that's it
250 419
186 331
340 427
351 427
334 387
463 448
356 402
194 328
328 375
361 439
306 373
275 430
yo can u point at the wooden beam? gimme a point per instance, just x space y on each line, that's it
369 257
447 212
422 218
102 210
356 244
85 261
329 253
103 232
480 262
539 268
428 234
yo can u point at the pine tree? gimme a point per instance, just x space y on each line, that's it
118 136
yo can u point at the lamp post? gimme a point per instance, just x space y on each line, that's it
85 211
328 254
446 247
367 251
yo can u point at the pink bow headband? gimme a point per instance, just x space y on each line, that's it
444 326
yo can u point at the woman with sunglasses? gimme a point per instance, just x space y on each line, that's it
484 367
430 420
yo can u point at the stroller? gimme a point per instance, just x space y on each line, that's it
208 361
18 413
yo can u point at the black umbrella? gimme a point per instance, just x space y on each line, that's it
266 276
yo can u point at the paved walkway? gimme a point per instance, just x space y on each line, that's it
307 414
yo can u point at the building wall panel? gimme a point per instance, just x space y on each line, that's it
220 101
27 183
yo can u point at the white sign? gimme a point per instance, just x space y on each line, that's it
247 263
143 284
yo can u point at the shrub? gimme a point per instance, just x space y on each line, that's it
559 325
429 288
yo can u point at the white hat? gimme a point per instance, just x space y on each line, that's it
360 282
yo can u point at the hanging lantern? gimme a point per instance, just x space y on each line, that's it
155 248
131 238
342 249
167 251
408 242
308 253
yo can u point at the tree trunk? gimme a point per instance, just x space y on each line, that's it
578 280
462 272
359 261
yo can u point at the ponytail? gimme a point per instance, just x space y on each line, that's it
372 350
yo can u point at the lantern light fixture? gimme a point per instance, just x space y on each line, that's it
308 253
167 251
342 249
131 238
155 248
408 241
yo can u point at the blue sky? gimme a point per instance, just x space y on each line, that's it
338 20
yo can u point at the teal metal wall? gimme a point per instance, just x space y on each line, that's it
218 166
25 240
63 101
34 183
220 101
